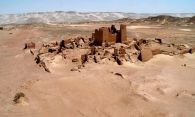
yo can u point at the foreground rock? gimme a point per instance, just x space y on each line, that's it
145 55
20 99
30 45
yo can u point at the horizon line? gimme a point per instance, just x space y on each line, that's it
97 12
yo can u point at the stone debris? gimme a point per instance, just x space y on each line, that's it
116 52
75 69
93 50
81 66
75 60
142 41
103 47
156 51
185 51
79 42
137 47
20 98
158 40
134 57
32 52
84 58
131 51
51 50
192 50
62 44
41 63
30 45
145 55
52 44
119 74
119 61
107 54
127 57
122 52
37 59
43 50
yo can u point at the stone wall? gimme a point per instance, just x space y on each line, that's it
105 34
123 33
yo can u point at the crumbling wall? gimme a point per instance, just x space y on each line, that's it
122 34
111 37
106 34
80 51
98 38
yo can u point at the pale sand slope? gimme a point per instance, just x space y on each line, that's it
161 87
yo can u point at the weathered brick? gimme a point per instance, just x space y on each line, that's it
145 55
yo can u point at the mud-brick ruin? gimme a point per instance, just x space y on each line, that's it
106 46
106 34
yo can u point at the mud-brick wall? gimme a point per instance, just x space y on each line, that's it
123 33
112 37
98 39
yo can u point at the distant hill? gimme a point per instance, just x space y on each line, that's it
161 19
192 20
75 17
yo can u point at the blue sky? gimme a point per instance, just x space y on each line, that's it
135 6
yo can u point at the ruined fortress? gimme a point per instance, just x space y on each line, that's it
106 34
93 50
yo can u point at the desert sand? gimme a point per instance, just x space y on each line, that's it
161 87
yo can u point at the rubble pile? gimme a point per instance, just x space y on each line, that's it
80 51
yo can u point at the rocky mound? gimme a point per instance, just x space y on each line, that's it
78 51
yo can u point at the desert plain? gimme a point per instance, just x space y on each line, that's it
164 86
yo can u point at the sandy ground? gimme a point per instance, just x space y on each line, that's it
142 27
161 87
